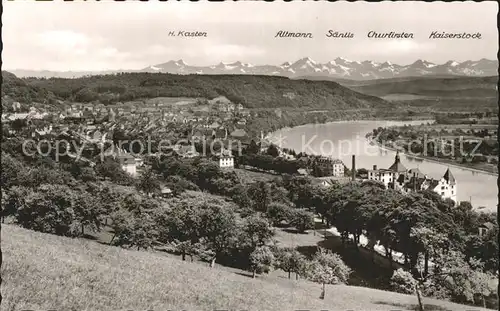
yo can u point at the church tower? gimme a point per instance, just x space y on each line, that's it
397 166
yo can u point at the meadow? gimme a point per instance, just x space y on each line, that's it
43 271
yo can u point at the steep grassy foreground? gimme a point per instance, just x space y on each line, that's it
42 272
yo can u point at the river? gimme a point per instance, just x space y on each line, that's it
345 138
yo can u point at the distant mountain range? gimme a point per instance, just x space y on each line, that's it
306 67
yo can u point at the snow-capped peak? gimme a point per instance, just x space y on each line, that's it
423 63
341 59
338 67
306 60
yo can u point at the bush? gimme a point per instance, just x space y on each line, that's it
261 260
403 282
328 268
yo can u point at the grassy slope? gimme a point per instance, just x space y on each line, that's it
42 271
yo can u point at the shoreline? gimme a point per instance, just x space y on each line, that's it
286 128
455 165
434 160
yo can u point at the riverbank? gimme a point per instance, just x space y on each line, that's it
269 121
438 161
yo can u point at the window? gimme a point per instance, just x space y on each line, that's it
442 187
442 193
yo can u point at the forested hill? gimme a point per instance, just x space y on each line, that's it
20 90
250 91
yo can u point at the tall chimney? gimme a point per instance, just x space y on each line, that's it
374 167
353 172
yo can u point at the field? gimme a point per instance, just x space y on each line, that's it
42 272
178 101
248 176
403 97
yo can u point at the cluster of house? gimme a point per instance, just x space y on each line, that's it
397 176
33 113
334 169
128 162
335 166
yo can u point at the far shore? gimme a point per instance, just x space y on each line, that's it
429 159
286 128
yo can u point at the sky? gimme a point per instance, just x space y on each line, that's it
88 36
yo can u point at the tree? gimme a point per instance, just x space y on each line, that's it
327 268
452 276
133 229
260 194
110 200
252 148
49 209
13 199
13 172
148 183
302 220
273 151
88 211
181 227
239 195
261 260
362 172
255 232
48 174
218 228
206 172
278 212
88 174
179 184
290 260
111 169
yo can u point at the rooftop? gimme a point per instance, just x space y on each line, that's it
448 176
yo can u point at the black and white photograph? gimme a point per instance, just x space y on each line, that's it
249 155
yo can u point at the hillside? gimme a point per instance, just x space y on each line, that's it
442 93
477 87
349 82
42 272
251 91
16 89
438 86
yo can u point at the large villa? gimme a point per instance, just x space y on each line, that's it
397 176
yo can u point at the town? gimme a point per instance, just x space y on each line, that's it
190 122
161 155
